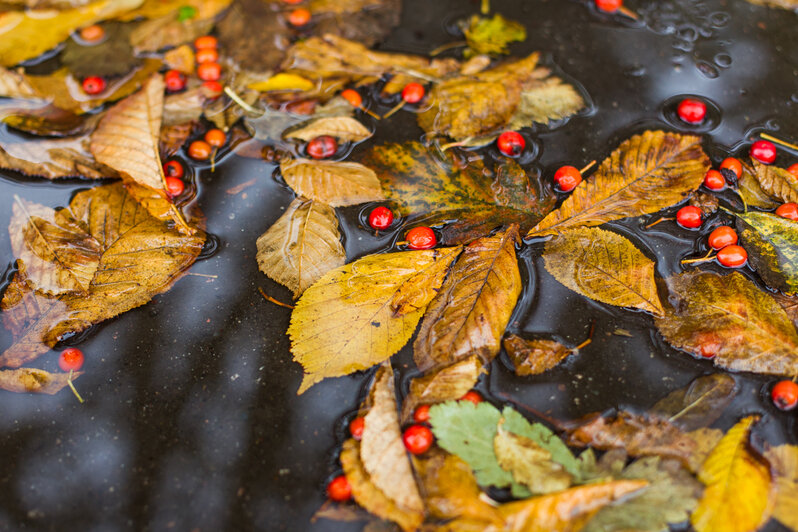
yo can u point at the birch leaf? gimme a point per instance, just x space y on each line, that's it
784 461
536 356
772 245
604 266
700 403
356 300
332 182
644 174
529 463
53 158
445 384
301 246
32 380
344 128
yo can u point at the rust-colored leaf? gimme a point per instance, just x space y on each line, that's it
536 356
332 182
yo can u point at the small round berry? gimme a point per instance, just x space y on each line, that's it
356 427
206 55
733 256
733 164
93 85
567 178
92 33
721 237
793 169
421 238
322 147
214 87
380 218
511 143
413 92
472 397
206 41
689 217
293 2
418 439
174 186
70 359
299 17
199 150
788 210
215 137
421 414
714 180
609 6
785 395
173 169
339 490
692 111
209 71
763 151
175 81
353 97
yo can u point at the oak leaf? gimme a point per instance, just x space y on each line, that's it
33 380
644 174
346 322
784 462
772 245
445 384
536 356
344 128
604 266
336 183
53 158
529 463
698 404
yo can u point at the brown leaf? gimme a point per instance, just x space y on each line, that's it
644 174
156 34
53 158
784 462
13 85
344 128
173 138
708 203
180 59
44 119
700 403
777 182
529 463
364 21
751 191
536 356
445 384
32 380
789 304
332 182
471 311
111 57
241 34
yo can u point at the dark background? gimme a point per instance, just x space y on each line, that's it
191 421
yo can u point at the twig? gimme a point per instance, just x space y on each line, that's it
272 300
628 12
74 390
394 110
236 98
778 141
203 275
588 340
649 226
589 165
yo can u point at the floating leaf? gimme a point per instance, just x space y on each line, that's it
604 266
241 34
344 128
777 182
751 191
644 174
784 4
163 8
364 21
728 317
111 57
301 246
335 183
491 35
168 31
445 384
180 59
700 403
471 311
708 203
772 245
533 357
185 106
32 380
356 299
547 100
43 119
13 85
529 463
784 462
790 306
53 158
738 485
282 82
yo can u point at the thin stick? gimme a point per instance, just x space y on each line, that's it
394 110
649 226
485 8
444 47
778 141
69 381
236 98
628 12
402 243
702 259
213 159
203 275
590 165
272 300
369 112
589 337
451 145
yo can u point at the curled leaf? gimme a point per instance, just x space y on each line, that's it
332 182
32 380
777 182
536 356
342 127
700 403
772 245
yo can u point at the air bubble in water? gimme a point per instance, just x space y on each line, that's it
707 69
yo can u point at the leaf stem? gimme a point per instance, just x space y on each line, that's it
241 103
485 8
74 390
272 300
394 110
628 12
649 226
369 112
706 258
778 141
589 165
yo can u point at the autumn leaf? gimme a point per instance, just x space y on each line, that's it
744 328
471 311
345 322
44 119
162 8
777 182
13 84
111 57
491 35
53 158
180 59
364 21
784 462
751 192
282 81
32 380
529 463
700 403
336 183
241 34
301 246
738 485
790 306
536 356
156 34
784 4
772 245
604 266
185 106
708 203
445 384
344 128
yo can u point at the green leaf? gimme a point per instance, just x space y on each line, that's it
772 245
491 35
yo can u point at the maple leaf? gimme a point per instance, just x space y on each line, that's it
332 182
346 321
772 245
784 462
533 357
344 128
32 380
445 384
699 404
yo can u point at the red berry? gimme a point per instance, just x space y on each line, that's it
215 137
174 186
609 6
689 217
92 33
206 41
511 143
293 1
721 237
93 85
175 81
714 180
206 55
730 163
421 238
692 111
472 397
173 169
299 17
793 169
380 218
567 178
733 256
199 150
356 427
209 71
70 359
322 147
353 97
418 439
710 347
339 489
413 92
421 414
785 395
788 210
763 151
214 87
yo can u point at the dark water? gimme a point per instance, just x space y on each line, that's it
191 420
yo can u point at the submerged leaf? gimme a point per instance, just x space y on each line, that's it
53 158
491 35
344 128
536 356
772 245
113 56
529 463
241 34
784 462
700 403
336 183
32 380
153 35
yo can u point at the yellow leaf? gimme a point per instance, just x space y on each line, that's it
163 8
332 182
341 127
529 463
738 487
449 383
536 356
33 380
784 461
345 321
53 158
283 81
604 266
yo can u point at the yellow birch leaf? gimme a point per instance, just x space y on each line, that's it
284 81
33 380
344 128
784 461
335 183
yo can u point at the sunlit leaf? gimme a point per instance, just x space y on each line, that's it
491 35
785 4
698 404
536 356
32 380
53 158
344 128
784 462
445 384
336 183
772 245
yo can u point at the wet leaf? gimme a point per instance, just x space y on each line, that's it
282 82
751 191
111 57
186 106
708 203
173 137
473 199
301 246
365 21
180 59
162 8
156 34
271 124
644 174
536 356
336 183
445 384
13 85
545 101
790 306
343 128
729 317
738 485
772 245
784 4
604 266
25 35
241 33
777 182
345 321
32 380
471 311
43 119
53 158
784 462
492 35
700 403
529 463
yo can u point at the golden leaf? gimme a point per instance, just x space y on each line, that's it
738 486
153 35
472 309
32 380
53 158
345 322
604 266
332 182
451 382
644 174
536 356
301 246
751 192
180 58
282 82
163 8
341 127
13 85
529 463
777 182
784 461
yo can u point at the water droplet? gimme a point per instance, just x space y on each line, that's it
723 60
719 19
707 69
635 71
688 32
684 46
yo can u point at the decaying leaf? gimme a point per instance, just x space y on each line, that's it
785 4
491 35
777 182
471 311
700 403
729 318
708 203
185 106
32 380
53 158
156 34
529 463
180 59
241 34
790 306
172 138
344 128
13 85
301 246
345 321
738 485
38 117
604 266
111 57
364 21
336 183
536 356
784 462
445 384
751 190
772 245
